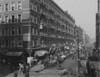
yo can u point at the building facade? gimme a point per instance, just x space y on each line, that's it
28 24
79 35
98 27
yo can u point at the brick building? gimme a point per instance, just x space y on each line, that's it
28 24
98 27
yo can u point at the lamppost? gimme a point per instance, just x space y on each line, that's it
41 32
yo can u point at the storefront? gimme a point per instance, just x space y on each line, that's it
14 56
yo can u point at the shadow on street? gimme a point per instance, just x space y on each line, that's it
5 70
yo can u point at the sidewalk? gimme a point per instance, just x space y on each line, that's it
51 72
44 73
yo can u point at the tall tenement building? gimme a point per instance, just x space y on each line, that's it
29 24
98 27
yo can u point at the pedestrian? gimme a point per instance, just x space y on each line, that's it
27 70
15 74
93 71
21 68
58 60
88 68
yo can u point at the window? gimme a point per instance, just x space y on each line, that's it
20 43
33 43
7 43
66 28
41 26
2 43
13 18
0 7
34 7
13 43
36 31
2 31
6 7
19 30
6 18
19 17
13 30
6 31
35 20
19 5
0 18
41 10
12 6
33 31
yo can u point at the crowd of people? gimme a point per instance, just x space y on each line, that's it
54 57
87 64
57 54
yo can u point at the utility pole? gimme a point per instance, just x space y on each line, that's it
78 54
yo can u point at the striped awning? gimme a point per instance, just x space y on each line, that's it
17 54
9 53
13 53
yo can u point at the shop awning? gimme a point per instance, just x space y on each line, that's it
13 53
17 54
9 53
41 52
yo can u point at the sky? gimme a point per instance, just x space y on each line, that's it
84 13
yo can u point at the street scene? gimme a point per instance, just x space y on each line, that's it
49 38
